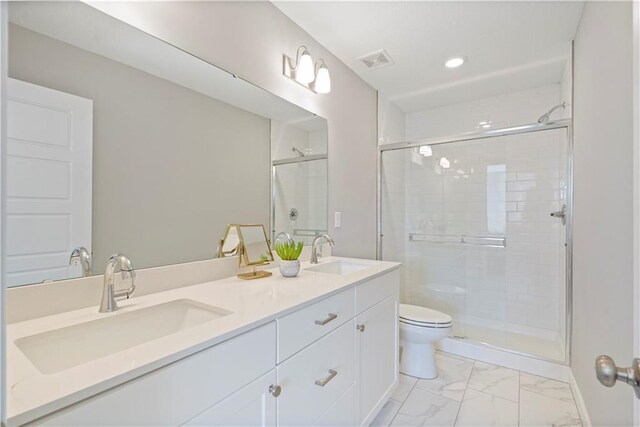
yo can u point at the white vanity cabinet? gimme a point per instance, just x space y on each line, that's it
253 405
331 363
377 356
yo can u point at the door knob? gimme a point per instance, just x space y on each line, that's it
608 373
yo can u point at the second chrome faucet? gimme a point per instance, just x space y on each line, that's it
109 293
316 244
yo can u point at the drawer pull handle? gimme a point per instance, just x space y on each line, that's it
329 318
275 390
323 382
360 328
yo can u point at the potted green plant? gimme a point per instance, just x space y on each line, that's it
289 252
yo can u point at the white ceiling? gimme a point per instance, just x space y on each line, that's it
509 45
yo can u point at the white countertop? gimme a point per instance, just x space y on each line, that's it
31 394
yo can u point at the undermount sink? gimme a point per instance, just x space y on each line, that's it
338 267
60 349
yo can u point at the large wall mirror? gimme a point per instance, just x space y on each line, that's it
120 142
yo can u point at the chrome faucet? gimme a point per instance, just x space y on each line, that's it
315 244
109 294
284 234
80 255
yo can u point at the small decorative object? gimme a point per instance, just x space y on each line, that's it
289 252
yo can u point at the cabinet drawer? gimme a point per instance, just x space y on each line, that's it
299 329
341 413
375 290
177 392
302 399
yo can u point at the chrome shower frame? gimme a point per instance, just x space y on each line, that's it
566 124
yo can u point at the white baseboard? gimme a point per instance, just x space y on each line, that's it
582 408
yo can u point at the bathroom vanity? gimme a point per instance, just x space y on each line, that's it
319 349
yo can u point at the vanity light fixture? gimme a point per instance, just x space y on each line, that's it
444 163
314 77
322 83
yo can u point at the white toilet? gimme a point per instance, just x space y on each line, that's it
420 328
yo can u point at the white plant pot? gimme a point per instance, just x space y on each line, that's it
290 268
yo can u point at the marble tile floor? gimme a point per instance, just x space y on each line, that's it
473 393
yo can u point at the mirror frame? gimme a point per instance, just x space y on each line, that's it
240 251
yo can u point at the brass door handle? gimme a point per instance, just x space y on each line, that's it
329 318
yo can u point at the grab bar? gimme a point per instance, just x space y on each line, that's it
494 242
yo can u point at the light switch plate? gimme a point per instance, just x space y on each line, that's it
337 219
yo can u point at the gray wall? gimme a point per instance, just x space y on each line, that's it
171 166
249 39
603 225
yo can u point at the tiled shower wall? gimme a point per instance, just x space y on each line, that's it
503 186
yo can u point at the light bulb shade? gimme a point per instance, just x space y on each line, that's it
425 150
323 80
304 69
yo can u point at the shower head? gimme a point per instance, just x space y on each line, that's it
298 152
545 117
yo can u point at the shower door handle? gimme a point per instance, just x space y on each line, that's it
608 373
562 214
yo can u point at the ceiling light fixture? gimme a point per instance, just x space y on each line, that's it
444 163
303 71
425 150
454 62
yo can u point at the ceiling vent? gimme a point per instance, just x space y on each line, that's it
378 59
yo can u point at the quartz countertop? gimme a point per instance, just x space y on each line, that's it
32 394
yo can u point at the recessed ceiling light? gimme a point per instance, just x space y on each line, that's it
454 62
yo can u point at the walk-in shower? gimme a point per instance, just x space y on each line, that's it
477 221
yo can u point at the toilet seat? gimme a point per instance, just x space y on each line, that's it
424 317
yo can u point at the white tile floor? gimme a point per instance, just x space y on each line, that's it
472 393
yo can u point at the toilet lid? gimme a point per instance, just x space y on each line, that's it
424 315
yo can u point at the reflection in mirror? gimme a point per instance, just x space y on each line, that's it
229 243
120 142
299 179
255 245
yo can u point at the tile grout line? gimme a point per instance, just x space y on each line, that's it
465 392
405 399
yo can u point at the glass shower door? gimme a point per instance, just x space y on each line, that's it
300 199
471 223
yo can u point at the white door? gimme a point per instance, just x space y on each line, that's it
377 352
252 405
49 164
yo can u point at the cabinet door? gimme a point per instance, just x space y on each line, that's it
377 353
252 405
